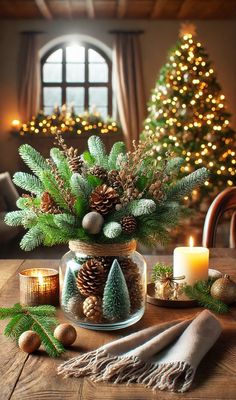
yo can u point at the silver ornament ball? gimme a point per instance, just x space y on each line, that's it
92 222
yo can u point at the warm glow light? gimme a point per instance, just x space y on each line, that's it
15 123
191 241
40 278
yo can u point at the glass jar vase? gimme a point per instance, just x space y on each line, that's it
103 287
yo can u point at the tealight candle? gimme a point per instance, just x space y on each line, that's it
192 262
39 286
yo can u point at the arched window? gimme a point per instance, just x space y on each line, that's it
78 74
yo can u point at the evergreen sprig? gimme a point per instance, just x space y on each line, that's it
201 292
159 270
185 185
39 319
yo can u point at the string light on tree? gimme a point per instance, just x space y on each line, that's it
187 115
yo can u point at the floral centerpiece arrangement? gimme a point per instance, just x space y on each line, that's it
100 203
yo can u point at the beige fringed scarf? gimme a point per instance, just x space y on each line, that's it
160 357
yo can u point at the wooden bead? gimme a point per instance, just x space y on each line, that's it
29 341
92 222
66 334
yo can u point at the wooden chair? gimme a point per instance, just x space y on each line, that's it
225 201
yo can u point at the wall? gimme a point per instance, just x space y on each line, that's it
219 38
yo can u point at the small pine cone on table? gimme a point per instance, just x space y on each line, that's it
75 161
99 172
129 224
92 308
114 179
91 278
48 205
103 199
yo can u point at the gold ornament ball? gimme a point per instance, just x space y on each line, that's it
224 289
66 334
29 341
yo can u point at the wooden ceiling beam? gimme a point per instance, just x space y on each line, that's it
157 8
121 8
43 8
90 9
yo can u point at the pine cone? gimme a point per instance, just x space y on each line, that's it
48 205
106 262
103 199
92 308
129 224
91 278
74 160
99 172
133 281
114 179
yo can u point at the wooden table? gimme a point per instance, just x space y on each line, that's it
33 377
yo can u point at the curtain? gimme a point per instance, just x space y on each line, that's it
29 76
128 77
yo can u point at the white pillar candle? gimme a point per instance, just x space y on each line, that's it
192 262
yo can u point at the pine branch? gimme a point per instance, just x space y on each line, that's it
62 165
33 159
117 149
26 202
205 299
40 319
52 346
53 189
66 222
98 151
187 184
33 238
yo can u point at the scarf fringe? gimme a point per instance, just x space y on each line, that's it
176 376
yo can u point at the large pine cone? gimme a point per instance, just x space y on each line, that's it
103 199
129 224
75 161
92 308
114 179
99 172
48 205
91 278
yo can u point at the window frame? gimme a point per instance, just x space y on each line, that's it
86 84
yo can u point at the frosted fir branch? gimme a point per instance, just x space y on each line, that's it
28 182
112 230
173 165
33 238
117 150
98 151
141 207
80 186
187 184
33 159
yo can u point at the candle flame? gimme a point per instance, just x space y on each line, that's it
191 241
40 278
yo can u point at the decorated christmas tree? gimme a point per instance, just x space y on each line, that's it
187 116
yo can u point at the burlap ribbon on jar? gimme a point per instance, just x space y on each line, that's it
103 250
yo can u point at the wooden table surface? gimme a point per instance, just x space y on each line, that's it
33 377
